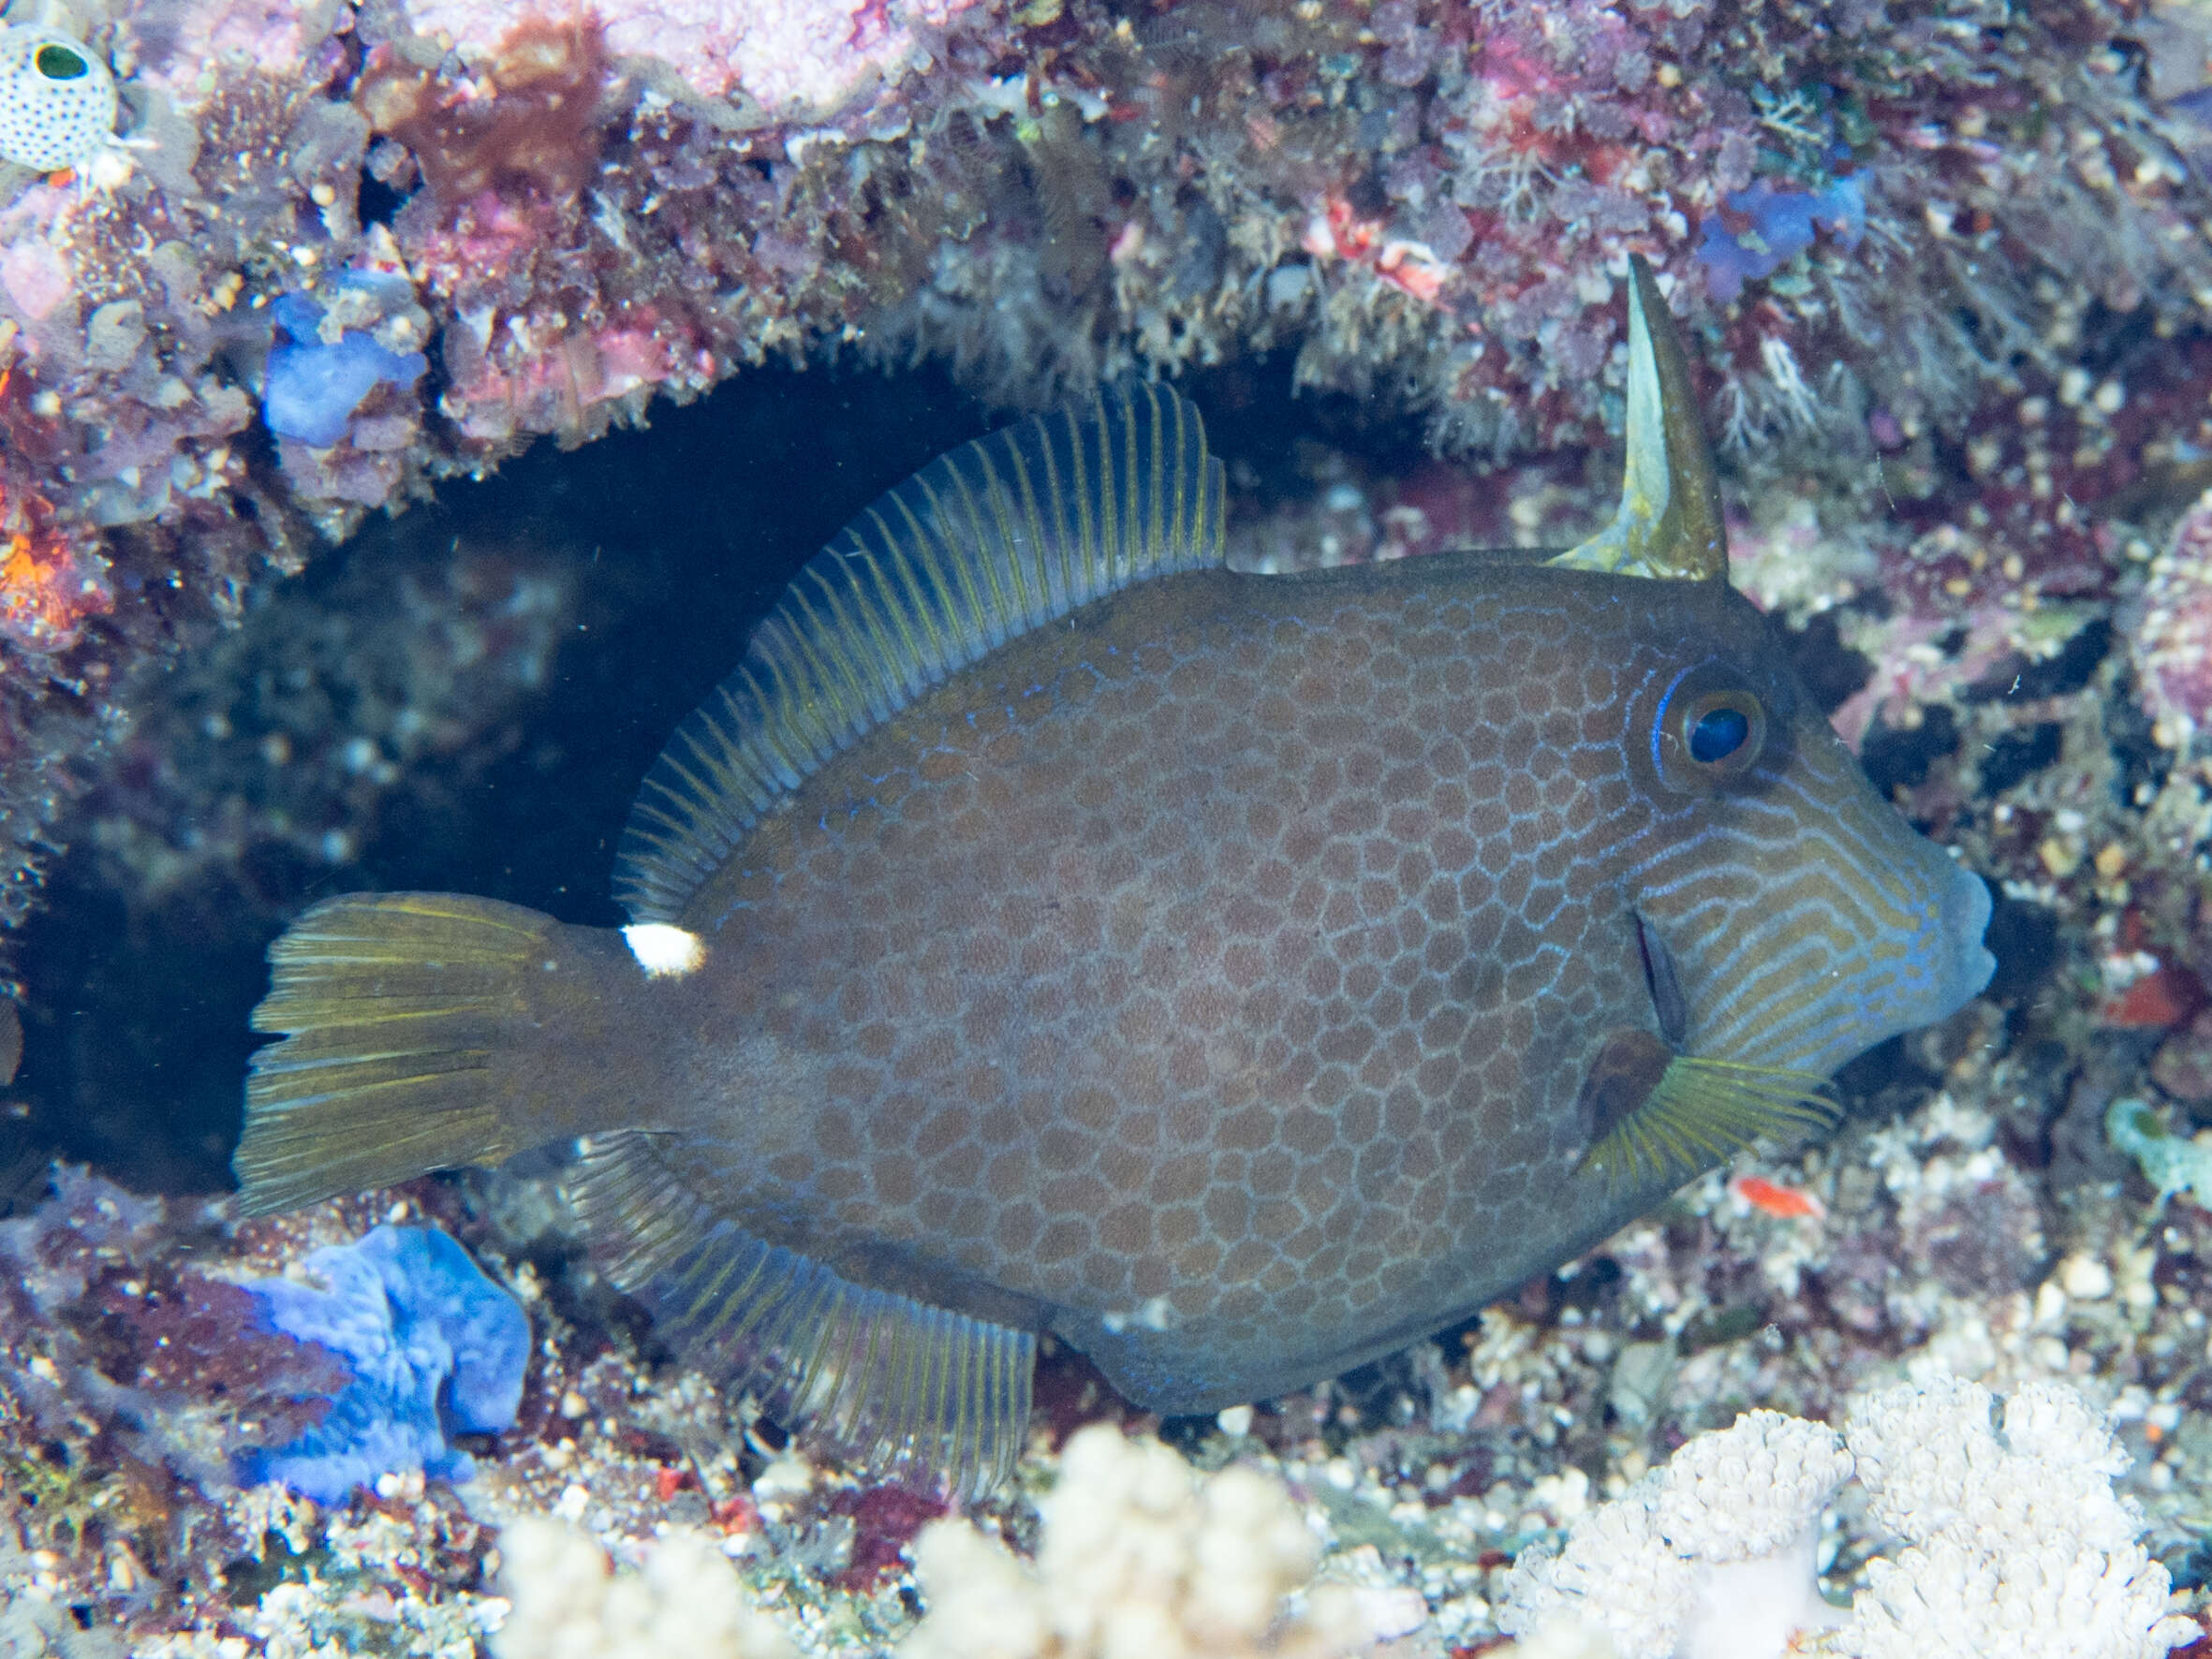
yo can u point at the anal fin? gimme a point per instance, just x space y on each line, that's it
924 1393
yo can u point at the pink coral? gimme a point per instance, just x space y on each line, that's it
35 276
793 57
272 36
554 387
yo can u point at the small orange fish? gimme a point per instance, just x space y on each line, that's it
1772 1199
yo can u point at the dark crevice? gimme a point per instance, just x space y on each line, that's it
2069 671
1900 756
2017 755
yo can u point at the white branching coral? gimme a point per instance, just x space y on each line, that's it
1138 1560
569 1604
2013 1540
1709 1558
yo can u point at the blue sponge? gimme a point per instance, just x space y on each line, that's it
312 389
435 1348
1782 225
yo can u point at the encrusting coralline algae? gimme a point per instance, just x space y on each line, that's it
1963 379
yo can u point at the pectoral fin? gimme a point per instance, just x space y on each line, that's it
1652 1114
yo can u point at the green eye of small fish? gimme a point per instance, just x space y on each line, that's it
59 63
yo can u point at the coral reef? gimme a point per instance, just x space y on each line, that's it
2169 625
1135 1557
1944 274
2011 1537
1709 1557
313 387
2172 1162
569 1604
133 1372
2016 1530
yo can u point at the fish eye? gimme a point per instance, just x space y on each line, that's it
1711 730
1717 734
1721 730
57 62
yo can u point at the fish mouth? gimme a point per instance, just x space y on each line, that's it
1966 911
1753 990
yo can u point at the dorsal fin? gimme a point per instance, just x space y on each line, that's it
1670 523
997 537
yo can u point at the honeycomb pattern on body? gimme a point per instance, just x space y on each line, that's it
1216 976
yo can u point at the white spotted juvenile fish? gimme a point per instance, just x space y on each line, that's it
1046 928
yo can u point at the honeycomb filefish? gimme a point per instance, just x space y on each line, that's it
1048 928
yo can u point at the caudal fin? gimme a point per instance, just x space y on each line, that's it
395 1010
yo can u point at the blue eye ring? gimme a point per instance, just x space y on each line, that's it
1723 731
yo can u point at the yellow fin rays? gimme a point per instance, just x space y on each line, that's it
915 1390
1701 1113
989 541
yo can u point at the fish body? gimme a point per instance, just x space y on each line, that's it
1239 977
1218 976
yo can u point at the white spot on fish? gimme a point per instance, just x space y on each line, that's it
1155 1315
664 950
